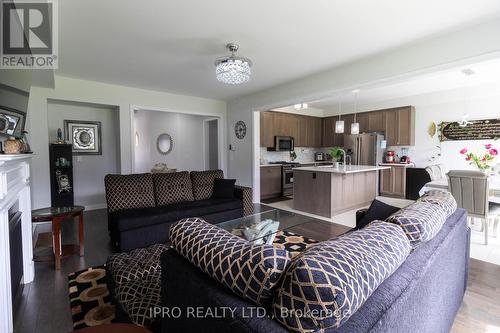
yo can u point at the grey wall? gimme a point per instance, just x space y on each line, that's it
89 170
213 148
186 131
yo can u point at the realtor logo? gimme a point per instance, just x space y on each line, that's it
29 34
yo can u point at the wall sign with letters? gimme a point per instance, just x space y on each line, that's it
487 129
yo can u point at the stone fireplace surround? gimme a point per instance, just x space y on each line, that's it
14 195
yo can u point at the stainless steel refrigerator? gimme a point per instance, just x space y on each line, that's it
364 149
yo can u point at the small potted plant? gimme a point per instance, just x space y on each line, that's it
481 161
336 154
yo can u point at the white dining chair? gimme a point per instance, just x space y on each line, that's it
470 189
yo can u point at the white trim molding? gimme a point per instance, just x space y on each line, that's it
14 190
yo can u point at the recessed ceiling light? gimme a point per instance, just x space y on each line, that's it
468 71
301 106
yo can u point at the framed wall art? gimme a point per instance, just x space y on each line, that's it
84 136
11 122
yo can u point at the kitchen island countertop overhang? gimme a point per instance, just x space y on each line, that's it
344 169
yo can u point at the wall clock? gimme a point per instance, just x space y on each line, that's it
240 129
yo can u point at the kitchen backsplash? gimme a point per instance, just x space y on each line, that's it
304 154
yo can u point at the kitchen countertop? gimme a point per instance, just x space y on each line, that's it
405 165
301 163
343 169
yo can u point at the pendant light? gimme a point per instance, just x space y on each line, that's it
467 74
355 124
339 124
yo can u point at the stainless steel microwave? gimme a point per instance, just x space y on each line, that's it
282 143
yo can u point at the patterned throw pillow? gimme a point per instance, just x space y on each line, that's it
249 270
203 183
129 191
172 187
421 221
330 281
444 199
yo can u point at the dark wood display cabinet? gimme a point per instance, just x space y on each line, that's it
61 175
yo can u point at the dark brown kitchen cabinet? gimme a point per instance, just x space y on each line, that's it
286 124
363 120
393 182
270 181
267 129
301 140
329 131
309 132
400 126
314 136
376 121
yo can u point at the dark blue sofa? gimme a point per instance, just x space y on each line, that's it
423 295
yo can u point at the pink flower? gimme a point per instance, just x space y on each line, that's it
467 158
493 152
488 146
463 151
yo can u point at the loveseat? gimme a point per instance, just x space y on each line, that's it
422 294
142 207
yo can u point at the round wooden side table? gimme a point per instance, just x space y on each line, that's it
113 328
56 215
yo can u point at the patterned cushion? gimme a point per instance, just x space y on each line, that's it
444 199
421 221
137 297
129 191
137 276
172 187
245 193
249 270
135 264
203 183
330 281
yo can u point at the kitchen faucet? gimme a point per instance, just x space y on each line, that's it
343 154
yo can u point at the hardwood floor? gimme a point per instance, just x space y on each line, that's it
43 306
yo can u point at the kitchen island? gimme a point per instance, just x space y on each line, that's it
328 191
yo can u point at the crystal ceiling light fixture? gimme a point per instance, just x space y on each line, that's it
339 124
355 124
233 69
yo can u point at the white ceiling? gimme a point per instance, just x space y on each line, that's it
484 74
171 45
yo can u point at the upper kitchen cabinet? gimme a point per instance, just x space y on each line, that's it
329 131
332 139
286 124
314 132
376 121
363 120
309 132
400 126
267 129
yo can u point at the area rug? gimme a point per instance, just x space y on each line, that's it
292 242
91 303
89 298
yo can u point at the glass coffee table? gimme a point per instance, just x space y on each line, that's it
262 227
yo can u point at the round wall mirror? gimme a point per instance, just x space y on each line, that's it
164 143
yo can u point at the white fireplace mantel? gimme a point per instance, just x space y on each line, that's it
14 188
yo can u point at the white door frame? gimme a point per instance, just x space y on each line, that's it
221 127
205 161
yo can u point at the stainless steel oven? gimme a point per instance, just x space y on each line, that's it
287 178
